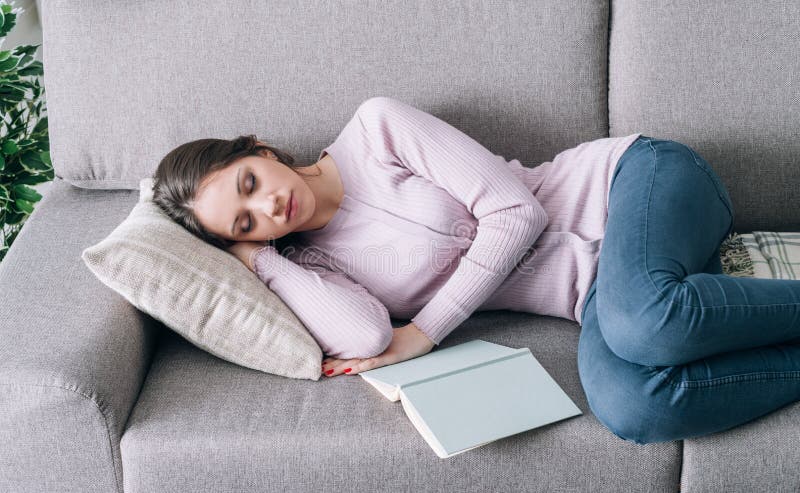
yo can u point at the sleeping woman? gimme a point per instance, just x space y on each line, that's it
405 216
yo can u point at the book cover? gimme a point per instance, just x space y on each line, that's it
465 396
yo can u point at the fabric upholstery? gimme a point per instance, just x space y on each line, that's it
202 424
722 78
73 353
526 79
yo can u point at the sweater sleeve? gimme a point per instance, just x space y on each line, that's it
342 316
510 218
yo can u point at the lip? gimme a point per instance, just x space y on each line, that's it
290 208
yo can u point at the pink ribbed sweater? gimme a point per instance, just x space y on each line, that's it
433 227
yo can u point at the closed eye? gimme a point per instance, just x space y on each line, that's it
252 186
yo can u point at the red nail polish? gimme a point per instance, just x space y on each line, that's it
329 371
347 370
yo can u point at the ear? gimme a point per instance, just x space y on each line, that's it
268 153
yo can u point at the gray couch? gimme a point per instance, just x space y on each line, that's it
97 396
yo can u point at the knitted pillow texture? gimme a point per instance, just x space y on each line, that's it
201 292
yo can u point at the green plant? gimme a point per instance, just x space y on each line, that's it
24 138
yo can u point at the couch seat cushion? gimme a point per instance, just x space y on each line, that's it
204 424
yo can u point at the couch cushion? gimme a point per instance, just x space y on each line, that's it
526 79
73 353
723 79
203 424
762 455
205 294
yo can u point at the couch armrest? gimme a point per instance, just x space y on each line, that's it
73 357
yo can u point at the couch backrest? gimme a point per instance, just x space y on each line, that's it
128 81
724 78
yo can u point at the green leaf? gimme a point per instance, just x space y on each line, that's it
33 179
26 193
6 8
4 55
32 161
2 162
9 64
9 21
3 193
12 93
35 68
40 125
26 49
9 147
14 217
45 156
23 206
17 84
16 131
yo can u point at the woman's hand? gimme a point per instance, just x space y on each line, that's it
243 249
407 342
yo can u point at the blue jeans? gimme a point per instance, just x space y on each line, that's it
670 347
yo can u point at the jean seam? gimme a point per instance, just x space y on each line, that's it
647 215
717 186
710 177
729 379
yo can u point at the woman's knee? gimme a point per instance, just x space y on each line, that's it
631 401
626 398
627 333
661 334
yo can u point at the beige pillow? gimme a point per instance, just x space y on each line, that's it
203 293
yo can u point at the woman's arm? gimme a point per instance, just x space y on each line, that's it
406 342
342 316
510 218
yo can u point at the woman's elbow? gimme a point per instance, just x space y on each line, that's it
366 343
535 218
376 340
539 214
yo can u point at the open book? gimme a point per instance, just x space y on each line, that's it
465 396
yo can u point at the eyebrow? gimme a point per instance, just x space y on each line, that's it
238 192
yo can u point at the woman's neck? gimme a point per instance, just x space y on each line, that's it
328 192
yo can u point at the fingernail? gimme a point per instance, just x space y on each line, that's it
347 370
329 371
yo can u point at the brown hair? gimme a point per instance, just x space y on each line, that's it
180 172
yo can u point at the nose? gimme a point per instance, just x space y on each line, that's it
271 207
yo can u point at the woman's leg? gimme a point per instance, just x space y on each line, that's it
668 214
646 404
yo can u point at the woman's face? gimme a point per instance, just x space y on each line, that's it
248 200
